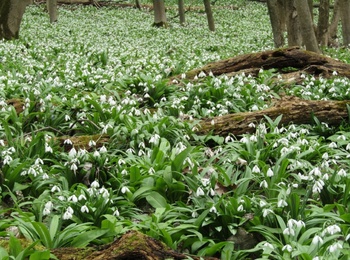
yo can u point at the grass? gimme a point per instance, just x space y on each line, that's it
103 73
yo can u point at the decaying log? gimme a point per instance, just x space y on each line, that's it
280 59
293 110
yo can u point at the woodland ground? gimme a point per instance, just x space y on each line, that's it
95 142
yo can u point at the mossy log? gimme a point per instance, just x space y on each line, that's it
281 59
293 110
132 245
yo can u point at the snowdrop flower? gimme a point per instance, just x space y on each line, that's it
48 149
266 212
116 213
92 143
316 172
342 173
287 248
84 209
96 154
81 197
55 188
267 245
282 203
269 173
95 184
318 186
125 189
264 184
213 210
335 247
68 214
154 139
332 145
199 192
68 142
251 125
256 169
317 240
103 149
331 230
240 208
73 198
47 208
72 153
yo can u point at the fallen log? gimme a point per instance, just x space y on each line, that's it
281 59
132 245
293 110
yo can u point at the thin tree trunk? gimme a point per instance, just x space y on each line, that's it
293 27
323 23
210 16
345 20
159 13
182 12
306 26
137 4
52 8
333 27
11 13
278 24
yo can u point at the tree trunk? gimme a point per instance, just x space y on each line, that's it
210 16
159 13
137 4
323 23
11 13
278 24
293 27
281 59
333 27
294 110
345 20
52 9
181 12
306 26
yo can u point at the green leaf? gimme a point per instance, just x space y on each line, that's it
156 200
40 255
54 226
3 253
87 237
15 247
178 162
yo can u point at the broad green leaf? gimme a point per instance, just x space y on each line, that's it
156 200
87 237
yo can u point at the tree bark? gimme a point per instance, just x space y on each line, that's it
137 4
159 13
306 61
306 26
345 20
323 23
277 12
333 27
11 13
182 12
293 27
210 16
52 9
295 111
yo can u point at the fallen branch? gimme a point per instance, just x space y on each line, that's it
280 59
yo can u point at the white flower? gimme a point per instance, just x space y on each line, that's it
267 245
331 230
269 173
316 172
67 117
74 167
48 149
154 139
68 214
264 184
92 143
81 197
55 188
95 184
240 208
332 145
266 212
199 192
68 142
116 213
213 209
282 203
318 186
125 190
334 247
342 173
256 169
84 209
317 240
287 248
73 198
96 154
72 153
